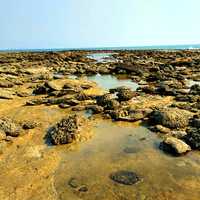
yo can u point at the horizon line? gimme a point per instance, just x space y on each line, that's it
101 47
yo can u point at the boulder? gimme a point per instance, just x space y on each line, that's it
171 117
67 130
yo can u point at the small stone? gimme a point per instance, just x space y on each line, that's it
130 150
125 177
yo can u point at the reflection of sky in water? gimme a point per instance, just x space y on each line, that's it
101 57
107 82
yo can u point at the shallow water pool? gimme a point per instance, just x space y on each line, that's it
108 81
163 176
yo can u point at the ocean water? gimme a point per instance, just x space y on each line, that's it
156 47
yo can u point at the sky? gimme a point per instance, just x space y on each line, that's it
37 24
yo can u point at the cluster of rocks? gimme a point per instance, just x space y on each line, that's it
159 73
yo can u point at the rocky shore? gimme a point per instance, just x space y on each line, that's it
167 100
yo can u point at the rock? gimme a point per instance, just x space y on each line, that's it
125 94
95 109
162 129
133 116
63 105
5 84
36 102
102 100
52 86
195 121
112 105
78 185
29 125
171 117
175 146
41 89
2 135
119 114
78 108
193 138
195 89
178 134
67 130
125 177
5 94
82 96
10 127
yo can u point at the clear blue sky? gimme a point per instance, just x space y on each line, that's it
97 23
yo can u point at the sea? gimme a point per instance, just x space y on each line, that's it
153 47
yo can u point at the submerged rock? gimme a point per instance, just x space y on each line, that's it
125 177
174 145
67 130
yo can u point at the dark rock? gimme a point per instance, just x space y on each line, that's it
67 130
125 177
193 138
102 100
195 121
125 94
195 89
